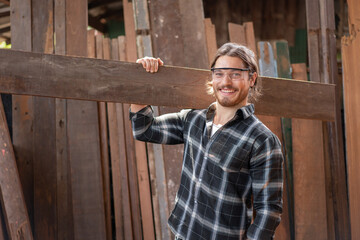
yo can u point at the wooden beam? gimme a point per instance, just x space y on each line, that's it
27 73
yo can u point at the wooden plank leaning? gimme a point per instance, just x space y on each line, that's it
12 198
98 80
350 47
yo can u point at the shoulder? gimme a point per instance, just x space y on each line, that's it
261 133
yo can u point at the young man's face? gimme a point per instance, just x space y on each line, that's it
231 87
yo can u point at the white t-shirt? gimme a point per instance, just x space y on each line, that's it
215 128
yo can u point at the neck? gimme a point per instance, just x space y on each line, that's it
225 114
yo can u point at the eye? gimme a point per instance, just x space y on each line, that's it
236 75
218 74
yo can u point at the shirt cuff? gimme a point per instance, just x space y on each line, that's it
148 110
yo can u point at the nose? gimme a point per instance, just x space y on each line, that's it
227 79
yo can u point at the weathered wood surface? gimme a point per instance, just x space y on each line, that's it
98 80
11 195
350 55
22 106
131 56
323 68
44 131
83 142
210 39
144 48
309 171
65 216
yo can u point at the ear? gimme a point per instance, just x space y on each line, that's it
253 79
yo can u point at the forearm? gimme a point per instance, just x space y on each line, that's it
166 129
267 176
136 107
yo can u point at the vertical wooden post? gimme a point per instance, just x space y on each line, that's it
83 139
102 109
323 68
44 131
65 216
21 36
131 54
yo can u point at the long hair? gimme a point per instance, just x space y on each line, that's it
249 59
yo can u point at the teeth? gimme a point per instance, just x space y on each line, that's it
227 90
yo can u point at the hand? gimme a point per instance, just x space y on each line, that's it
150 64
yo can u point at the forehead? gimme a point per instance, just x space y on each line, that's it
229 62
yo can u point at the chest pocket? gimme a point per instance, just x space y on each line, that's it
229 156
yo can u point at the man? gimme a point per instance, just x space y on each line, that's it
232 165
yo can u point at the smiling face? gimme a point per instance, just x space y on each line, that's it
228 92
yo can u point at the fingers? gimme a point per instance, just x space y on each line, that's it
150 64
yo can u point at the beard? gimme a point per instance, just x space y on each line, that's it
239 98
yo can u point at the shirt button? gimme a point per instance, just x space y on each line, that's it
195 202
200 179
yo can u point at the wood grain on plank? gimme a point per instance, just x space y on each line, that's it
98 80
309 170
44 131
104 150
350 49
83 139
11 195
210 39
131 55
22 106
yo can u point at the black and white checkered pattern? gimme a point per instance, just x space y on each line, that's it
220 173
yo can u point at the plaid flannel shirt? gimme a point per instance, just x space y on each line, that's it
220 173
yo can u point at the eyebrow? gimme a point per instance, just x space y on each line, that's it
239 69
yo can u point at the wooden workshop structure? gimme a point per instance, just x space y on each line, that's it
70 169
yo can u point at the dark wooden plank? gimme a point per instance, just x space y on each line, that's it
114 141
44 131
12 198
104 149
128 82
125 192
83 139
22 106
308 167
351 72
131 56
65 221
